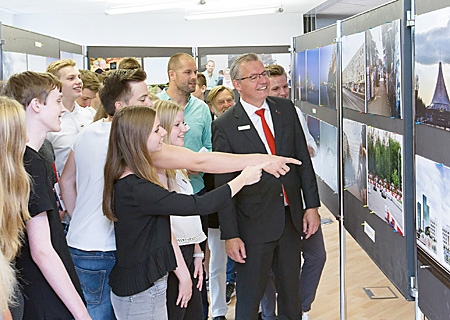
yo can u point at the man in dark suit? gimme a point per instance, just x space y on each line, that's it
264 227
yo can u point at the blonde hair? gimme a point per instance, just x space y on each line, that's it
14 180
55 66
7 283
167 111
127 148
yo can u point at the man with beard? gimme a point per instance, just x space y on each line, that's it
182 72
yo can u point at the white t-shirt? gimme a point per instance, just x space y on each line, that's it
187 230
89 229
71 124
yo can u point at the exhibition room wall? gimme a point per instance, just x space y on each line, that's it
374 88
161 29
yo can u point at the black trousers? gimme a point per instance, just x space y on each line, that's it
194 310
283 256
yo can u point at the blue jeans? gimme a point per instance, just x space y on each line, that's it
231 271
93 268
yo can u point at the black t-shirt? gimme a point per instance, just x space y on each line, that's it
41 302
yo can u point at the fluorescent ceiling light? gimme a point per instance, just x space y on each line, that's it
234 13
146 8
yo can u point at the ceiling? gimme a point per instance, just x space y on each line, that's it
339 7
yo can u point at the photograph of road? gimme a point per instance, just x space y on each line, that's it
328 154
385 176
314 129
355 159
432 210
353 74
432 68
300 71
312 76
383 70
327 76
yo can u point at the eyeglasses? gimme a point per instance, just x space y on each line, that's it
253 77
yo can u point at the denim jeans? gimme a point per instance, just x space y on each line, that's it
146 305
93 268
231 271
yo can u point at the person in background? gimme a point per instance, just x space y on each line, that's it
129 63
47 275
226 81
101 66
14 193
74 118
182 72
219 100
200 87
220 76
264 227
139 204
211 77
313 249
91 86
187 230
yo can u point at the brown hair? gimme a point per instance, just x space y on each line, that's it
116 86
127 148
129 63
275 70
90 80
201 80
28 85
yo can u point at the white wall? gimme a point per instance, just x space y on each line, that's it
164 30
6 18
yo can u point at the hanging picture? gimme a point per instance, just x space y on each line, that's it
432 209
355 159
353 72
312 76
327 76
432 68
383 70
385 197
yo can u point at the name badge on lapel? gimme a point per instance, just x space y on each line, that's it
246 127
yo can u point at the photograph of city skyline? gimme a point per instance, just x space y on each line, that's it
432 68
432 210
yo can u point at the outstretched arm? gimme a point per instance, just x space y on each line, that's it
173 157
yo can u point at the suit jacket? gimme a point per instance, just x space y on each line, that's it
258 213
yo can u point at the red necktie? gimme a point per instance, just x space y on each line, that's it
270 140
269 136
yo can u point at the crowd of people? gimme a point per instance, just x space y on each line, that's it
119 204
